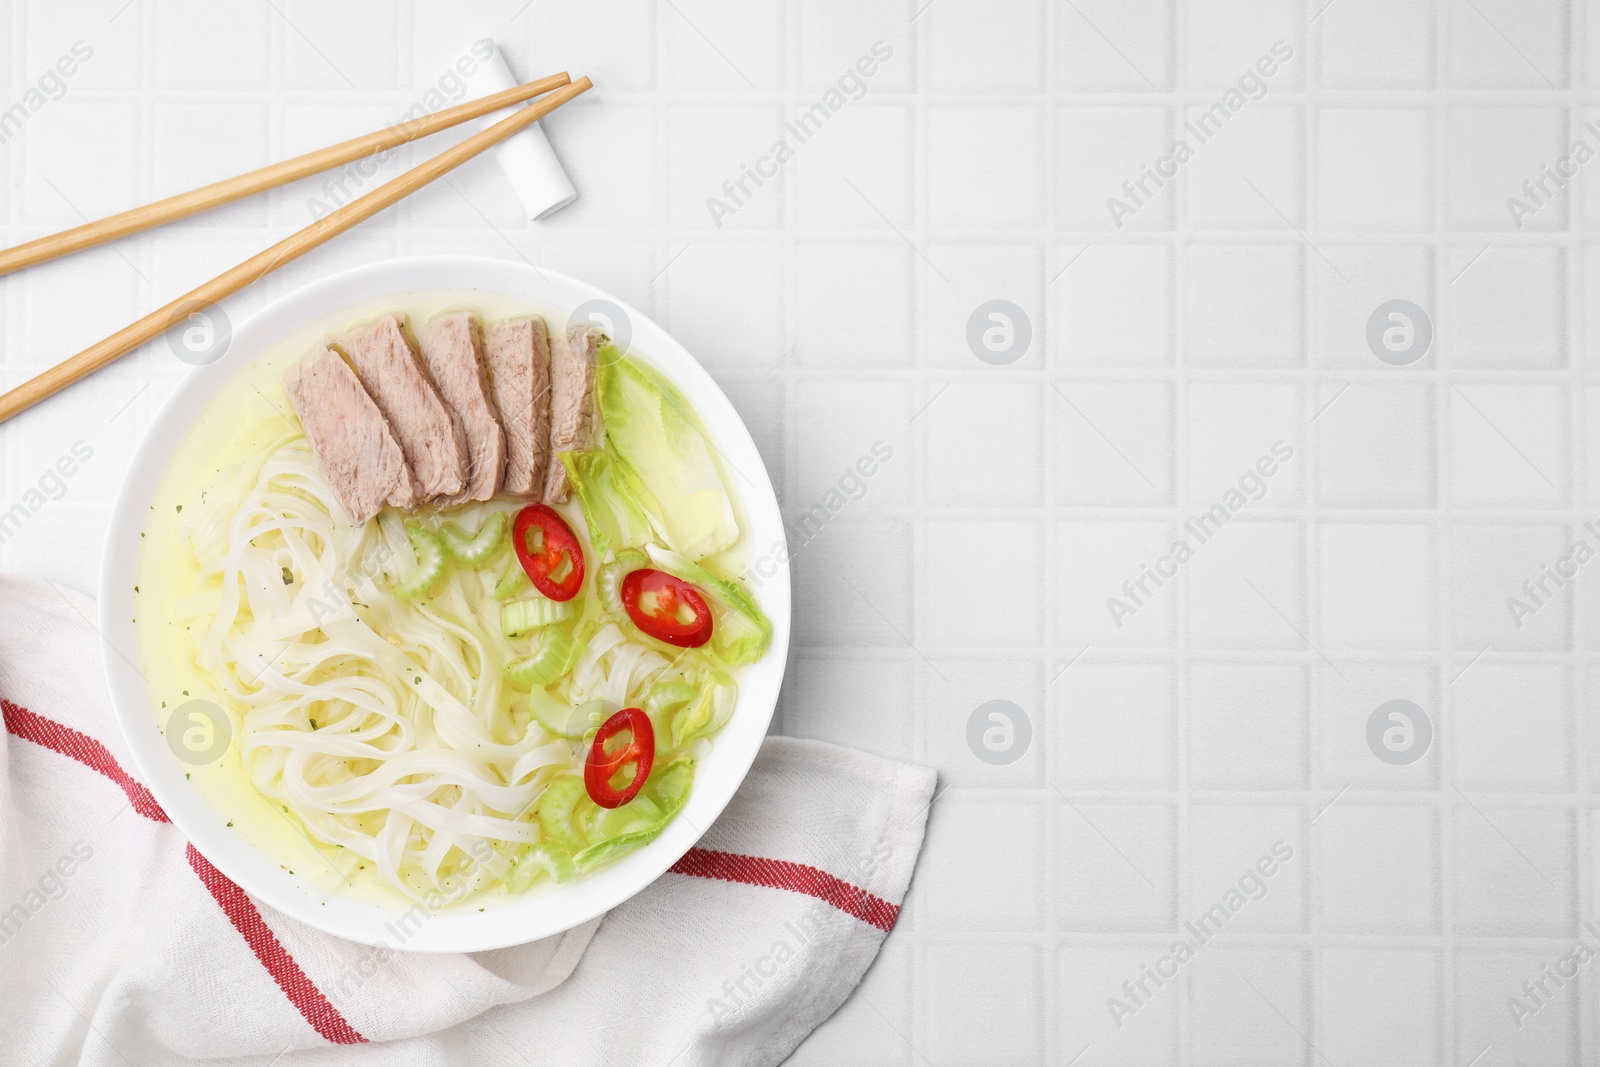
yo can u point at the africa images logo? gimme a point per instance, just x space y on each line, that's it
1253 884
1251 86
1252 485
852 85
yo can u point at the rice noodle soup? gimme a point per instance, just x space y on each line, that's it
463 605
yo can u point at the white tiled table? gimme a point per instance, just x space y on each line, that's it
1227 313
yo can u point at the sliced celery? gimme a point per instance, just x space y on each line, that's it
664 696
515 583
557 805
670 787
544 857
711 708
431 563
570 724
548 662
530 613
662 702
475 550
640 813
609 583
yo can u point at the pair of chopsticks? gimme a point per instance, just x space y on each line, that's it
290 248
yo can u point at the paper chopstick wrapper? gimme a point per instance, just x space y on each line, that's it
530 164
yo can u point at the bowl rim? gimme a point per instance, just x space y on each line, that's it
450 929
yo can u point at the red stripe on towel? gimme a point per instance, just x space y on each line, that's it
298 987
795 877
301 991
235 904
86 750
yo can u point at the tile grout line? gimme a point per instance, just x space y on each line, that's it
1311 539
1442 470
1047 418
1181 678
1578 677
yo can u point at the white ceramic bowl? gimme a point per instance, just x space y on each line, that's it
465 928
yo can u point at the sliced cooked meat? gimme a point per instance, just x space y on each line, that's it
355 448
452 351
518 355
395 379
572 421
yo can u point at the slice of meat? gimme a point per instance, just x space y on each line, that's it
355 448
572 419
395 379
452 351
518 355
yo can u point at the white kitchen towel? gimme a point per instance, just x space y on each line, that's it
120 944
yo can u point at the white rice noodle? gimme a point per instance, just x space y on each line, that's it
418 762
615 670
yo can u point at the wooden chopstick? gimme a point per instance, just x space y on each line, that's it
228 190
287 250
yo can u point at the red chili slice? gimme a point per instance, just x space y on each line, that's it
663 619
639 751
557 543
